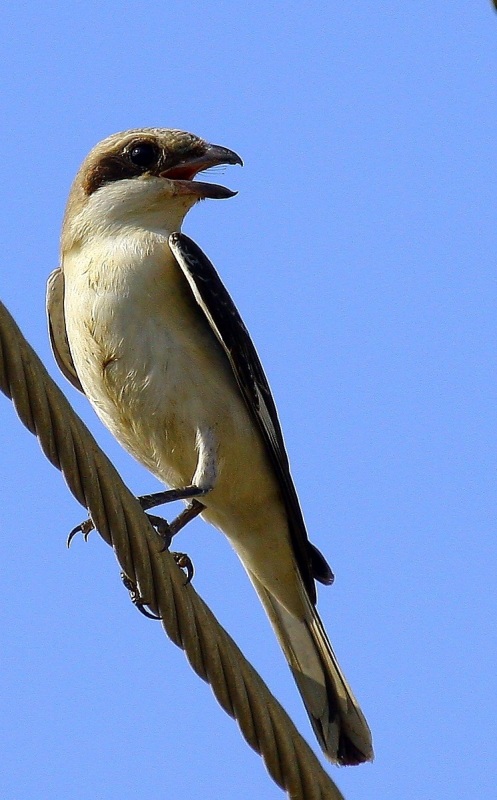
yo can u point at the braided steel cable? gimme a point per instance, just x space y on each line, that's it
186 619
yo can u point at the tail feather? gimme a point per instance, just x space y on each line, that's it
337 720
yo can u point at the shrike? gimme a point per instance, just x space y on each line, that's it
142 324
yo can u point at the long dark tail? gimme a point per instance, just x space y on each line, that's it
337 720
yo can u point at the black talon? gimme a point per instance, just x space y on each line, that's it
184 562
136 599
148 614
85 528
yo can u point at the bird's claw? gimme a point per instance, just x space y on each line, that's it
166 533
161 526
136 599
184 562
85 528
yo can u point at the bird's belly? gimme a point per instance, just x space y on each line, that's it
159 425
156 385
155 389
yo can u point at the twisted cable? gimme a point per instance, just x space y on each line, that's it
186 619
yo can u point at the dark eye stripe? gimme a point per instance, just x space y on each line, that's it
134 160
108 170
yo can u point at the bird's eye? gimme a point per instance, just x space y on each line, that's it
143 154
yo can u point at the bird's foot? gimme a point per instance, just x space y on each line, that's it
136 598
161 526
166 532
185 563
165 529
85 528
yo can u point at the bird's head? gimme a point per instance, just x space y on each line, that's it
142 176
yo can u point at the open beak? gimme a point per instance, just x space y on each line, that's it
184 172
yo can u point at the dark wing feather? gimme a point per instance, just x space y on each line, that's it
226 323
57 327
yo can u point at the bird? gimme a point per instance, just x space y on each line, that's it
142 324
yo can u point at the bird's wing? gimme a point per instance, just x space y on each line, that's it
57 327
227 325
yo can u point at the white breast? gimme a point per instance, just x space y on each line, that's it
146 357
156 375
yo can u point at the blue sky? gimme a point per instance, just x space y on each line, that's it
361 253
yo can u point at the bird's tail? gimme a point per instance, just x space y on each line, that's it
337 720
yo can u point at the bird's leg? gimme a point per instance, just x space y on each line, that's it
192 510
182 559
166 530
169 496
203 480
202 483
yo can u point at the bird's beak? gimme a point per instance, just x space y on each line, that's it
184 172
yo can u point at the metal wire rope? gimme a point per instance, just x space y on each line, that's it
186 619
